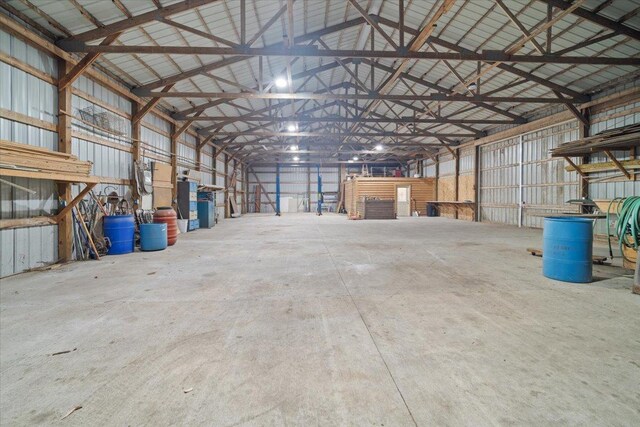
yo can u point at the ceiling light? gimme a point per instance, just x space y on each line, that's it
294 148
281 82
291 127
296 158
350 161
355 158
379 147
472 86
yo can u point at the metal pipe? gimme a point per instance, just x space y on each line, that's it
520 183
277 189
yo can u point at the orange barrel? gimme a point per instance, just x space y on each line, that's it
168 216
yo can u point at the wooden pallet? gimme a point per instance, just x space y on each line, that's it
596 259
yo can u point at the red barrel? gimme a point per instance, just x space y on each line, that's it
168 216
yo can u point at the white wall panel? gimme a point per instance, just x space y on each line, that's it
25 248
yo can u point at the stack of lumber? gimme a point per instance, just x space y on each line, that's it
614 139
371 208
27 157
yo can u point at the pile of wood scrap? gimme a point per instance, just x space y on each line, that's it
614 139
27 157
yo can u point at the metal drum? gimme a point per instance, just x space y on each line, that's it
119 229
168 216
153 237
567 249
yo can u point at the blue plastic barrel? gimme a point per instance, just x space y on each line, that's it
119 229
153 237
567 249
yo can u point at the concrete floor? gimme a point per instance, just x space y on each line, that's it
305 320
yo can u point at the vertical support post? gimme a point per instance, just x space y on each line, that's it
243 22
437 174
401 21
476 184
277 189
198 153
319 204
456 188
520 181
583 132
135 140
227 214
65 224
174 164
308 208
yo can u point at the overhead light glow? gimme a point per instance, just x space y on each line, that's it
355 158
281 82
349 161
379 147
294 148
472 86
291 127
296 158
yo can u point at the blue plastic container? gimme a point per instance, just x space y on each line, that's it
567 249
119 229
153 237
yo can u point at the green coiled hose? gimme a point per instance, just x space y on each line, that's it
628 223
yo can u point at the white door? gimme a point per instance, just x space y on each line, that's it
403 200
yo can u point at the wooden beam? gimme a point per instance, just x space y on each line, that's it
197 32
179 131
572 108
37 221
149 105
595 18
264 191
174 164
66 211
575 167
84 63
618 164
267 25
521 27
373 23
64 217
135 21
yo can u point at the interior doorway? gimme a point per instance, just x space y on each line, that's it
403 200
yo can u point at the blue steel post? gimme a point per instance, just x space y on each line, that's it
277 189
319 210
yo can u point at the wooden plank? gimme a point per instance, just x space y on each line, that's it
538 252
617 163
67 209
37 221
27 120
101 141
16 63
47 175
69 77
605 166
575 167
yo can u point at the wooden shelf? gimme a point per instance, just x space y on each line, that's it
20 173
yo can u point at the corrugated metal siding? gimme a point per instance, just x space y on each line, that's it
300 182
547 186
499 182
25 248
617 185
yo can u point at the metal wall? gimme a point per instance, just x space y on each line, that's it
113 162
609 185
520 182
299 182
547 185
25 248
499 182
